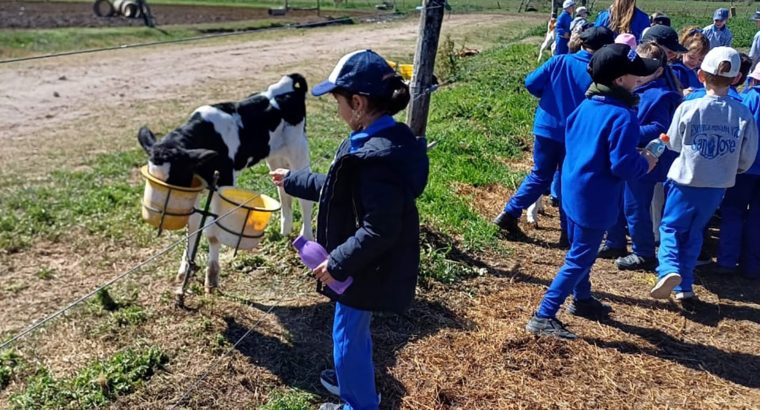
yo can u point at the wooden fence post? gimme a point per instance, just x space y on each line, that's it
431 19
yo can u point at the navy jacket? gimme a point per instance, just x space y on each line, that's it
368 218
656 107
686 76
639 23
602 135
752 101
561 84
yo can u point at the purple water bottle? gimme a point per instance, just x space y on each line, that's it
313 254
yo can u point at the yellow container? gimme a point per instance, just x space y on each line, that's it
243 227
174 203
404 70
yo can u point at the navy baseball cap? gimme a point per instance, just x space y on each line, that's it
720 14
362 72
616 60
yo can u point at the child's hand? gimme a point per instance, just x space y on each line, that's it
322 275
278 176
651 160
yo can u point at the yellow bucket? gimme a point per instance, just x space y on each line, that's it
404 70
168 206
243 227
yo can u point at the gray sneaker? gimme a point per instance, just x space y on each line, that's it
331 406
329 380
636 262
540 326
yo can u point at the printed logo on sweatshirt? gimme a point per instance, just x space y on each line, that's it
711 146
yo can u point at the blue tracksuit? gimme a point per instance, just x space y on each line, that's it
686 76
561 30
656 107
602 135
740 211
639 23
560 83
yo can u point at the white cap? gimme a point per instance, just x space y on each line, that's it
755 74
568 3
581 10
718 55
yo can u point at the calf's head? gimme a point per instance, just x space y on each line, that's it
170 162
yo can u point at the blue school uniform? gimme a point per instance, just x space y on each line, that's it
657 103
560 30
740 211
369 223
561 84
732 92
686 76
602 135
639 23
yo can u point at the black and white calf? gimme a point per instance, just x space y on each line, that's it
230 137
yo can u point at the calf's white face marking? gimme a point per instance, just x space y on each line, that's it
226 125
159 171
284 86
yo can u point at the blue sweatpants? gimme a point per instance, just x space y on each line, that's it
687 212
352 352
554 191
547 159
573 276
616 233
740 226
638 215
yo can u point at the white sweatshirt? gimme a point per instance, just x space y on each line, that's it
716 138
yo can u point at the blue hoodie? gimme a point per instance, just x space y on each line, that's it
752 101
686 76
560 30
560 83
702 92
639 23
602 135
656 107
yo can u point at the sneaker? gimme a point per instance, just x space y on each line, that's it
635 262
688 301
329 380
563 243
665 285
703 258
554 201
331 406
591 308
540 326
509 223
605 252
680 296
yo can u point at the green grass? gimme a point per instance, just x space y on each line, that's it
291 399
11 365
94 385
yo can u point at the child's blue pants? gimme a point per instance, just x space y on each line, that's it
687 212
636 218
573 276
740 226
352 352
547 159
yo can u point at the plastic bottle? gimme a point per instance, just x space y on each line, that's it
658 145
313 254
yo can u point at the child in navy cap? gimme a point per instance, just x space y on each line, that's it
367 218
716 137
560 84
718 33
601 139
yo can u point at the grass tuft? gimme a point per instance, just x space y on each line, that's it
291 399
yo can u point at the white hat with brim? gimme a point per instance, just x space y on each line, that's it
717 55
568 3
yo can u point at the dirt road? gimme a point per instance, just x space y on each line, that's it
77 100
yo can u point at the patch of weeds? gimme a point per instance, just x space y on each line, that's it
291 399
46 273
219 344
105 301
95 385
435 265
248 262
11 365
129 315
447 61
15 287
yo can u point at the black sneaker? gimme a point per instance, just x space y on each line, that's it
591 308
563 243
540 326
605 252
329 380
636 262
554 201
722 270
704 258
509 224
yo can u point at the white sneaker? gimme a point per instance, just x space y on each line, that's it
665 286
685 295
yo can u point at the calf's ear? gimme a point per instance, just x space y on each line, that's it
146 138
199 156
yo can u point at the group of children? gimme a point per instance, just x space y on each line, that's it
599 108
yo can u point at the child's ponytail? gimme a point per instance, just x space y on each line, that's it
399 98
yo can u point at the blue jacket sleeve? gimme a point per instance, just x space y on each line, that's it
540 78
381 198
304 184
603 19
659 119
625 162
